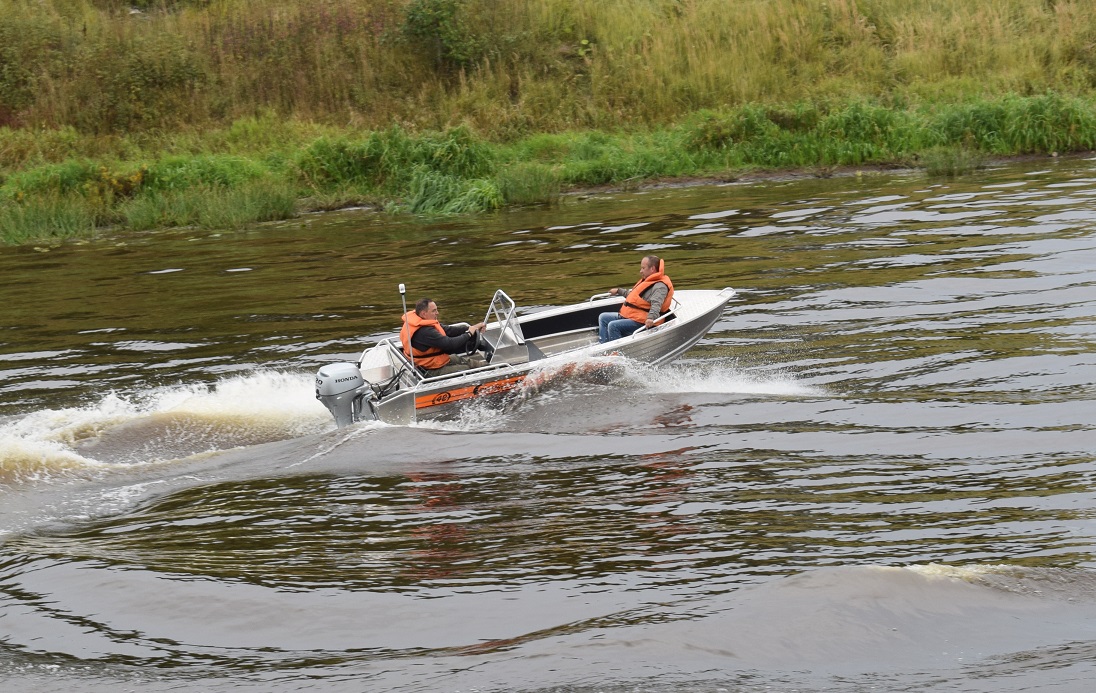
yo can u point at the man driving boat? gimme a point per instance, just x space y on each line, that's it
438 349
644 305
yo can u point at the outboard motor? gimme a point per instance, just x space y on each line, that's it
341 388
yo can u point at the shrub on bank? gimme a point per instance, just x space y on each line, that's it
180 172
258 175
388 160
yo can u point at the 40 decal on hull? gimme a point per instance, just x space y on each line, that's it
459 394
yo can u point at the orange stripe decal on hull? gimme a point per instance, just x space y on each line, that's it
463 393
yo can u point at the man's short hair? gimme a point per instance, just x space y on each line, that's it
652 261
422 304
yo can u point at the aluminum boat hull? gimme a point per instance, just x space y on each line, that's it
530 350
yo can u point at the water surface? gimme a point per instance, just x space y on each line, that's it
875 473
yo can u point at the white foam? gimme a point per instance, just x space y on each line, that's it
237 410
559 387
287 398
718 377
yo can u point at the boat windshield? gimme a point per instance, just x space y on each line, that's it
503 312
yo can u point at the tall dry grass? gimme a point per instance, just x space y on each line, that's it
509 69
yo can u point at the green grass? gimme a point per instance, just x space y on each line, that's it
46 218
211 207
226 112
456 171
949 162
528 183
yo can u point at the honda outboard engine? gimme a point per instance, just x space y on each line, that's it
341 388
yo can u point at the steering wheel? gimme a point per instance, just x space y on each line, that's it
472 344
479 343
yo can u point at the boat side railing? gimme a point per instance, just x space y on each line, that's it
661 322
674 307
396 353
502 366
403 370
565 333
663 319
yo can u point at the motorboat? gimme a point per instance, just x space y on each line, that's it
519 350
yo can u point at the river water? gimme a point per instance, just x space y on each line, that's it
876 473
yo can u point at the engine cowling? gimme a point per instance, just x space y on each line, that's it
341 388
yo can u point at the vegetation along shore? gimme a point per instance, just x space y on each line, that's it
145 114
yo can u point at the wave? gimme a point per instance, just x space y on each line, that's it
177 421
160 424
718 376
1070 584
586 394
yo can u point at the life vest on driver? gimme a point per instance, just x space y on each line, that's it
635 307
431 358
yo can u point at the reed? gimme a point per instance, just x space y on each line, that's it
211 206
389 160
949 162
528 183
433 192
47 218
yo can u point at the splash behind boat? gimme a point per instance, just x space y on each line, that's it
384 385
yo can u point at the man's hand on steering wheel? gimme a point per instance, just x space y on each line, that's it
476 340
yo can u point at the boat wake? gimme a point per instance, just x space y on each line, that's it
159 425
576 397
179 421
717 376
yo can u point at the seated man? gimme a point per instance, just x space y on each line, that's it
438 349
648 300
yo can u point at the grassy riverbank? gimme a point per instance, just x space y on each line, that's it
220 113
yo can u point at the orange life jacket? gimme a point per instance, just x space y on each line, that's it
635 307
431 358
